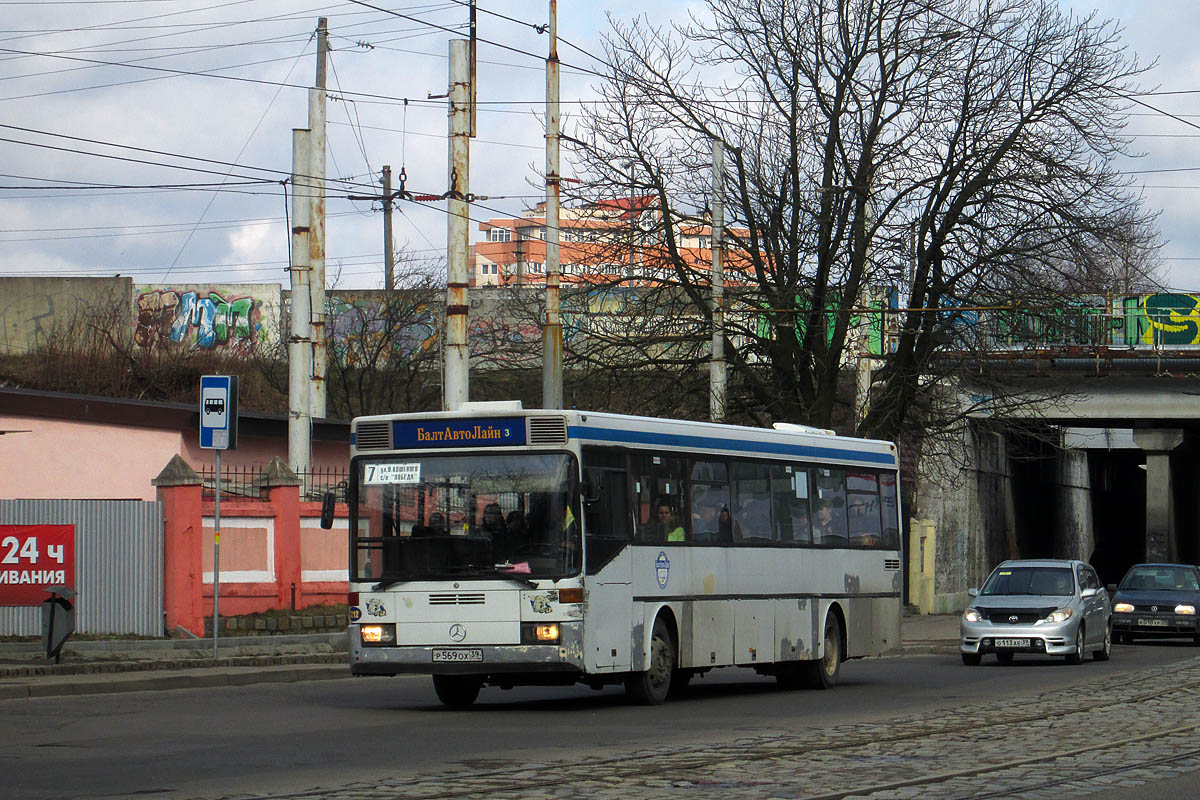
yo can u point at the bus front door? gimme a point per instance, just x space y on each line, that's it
609 614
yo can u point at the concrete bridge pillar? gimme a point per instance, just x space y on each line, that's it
1162 543
1073 532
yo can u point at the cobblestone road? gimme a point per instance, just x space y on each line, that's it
1120 731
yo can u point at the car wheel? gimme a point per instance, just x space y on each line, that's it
823 673
1004 658
457 691
1104 652
972 659
1077 656
650 688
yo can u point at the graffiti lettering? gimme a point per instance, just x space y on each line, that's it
208 318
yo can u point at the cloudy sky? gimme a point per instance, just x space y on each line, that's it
149 138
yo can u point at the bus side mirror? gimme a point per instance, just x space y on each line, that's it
589 490
327 509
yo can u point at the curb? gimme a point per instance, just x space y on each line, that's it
175 679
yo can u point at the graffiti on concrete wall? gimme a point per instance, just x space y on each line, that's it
207 318
1170 320
365 329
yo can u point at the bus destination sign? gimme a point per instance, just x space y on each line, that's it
493 432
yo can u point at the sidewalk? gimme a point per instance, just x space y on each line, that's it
98 667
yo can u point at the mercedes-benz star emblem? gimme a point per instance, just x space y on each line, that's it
458 632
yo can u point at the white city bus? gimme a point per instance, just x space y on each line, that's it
496 546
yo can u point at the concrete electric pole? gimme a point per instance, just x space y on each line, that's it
552 341
457 355
316 154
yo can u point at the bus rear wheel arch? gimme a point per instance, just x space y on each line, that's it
822 673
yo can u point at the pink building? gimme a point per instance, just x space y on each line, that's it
63 446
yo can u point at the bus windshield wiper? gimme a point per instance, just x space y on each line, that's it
389 583
493 572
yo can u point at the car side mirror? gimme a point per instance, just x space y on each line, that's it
972 592
1090 592
328 505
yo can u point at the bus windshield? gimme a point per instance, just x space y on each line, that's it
430 517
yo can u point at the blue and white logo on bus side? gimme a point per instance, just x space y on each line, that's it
662 566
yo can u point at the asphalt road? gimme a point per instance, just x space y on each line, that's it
284 738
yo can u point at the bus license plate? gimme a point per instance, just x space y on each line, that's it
458 655
1012 643
1154 623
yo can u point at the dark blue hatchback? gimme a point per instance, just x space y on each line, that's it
1157 600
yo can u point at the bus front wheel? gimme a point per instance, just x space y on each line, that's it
823 673
650 688
457 691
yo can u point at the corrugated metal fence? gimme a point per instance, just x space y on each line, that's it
118 564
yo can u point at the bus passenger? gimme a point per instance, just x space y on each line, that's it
492 525
829 527
665 526
437 524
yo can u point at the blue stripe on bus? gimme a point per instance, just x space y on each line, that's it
588 432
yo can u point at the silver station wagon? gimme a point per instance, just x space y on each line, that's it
1044 607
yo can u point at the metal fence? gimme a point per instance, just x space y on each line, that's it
245 482
118 564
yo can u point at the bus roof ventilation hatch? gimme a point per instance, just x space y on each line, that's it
791 427
373 436
547 430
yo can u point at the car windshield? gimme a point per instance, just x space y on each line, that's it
451 516
1165 579
1030 580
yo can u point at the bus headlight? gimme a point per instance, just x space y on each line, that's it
378 635
1185 609
1123 608
540 632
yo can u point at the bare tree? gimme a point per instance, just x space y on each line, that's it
959 150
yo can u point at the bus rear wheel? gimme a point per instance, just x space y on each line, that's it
650 688
457 691
823 673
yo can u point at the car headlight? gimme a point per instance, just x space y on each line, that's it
971 615
1123 608
1185 609
1061 615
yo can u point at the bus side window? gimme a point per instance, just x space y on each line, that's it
891 513
752 502
709 506
789 496
658 484
829 520
862 509
605 516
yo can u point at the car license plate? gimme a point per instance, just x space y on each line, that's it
458 655
1154 623
1012 643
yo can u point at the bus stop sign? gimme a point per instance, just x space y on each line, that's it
218 412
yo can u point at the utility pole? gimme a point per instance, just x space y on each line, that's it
716 404
300 342
455 387
389 258
552 349
316 154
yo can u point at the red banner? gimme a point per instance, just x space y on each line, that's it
32 559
